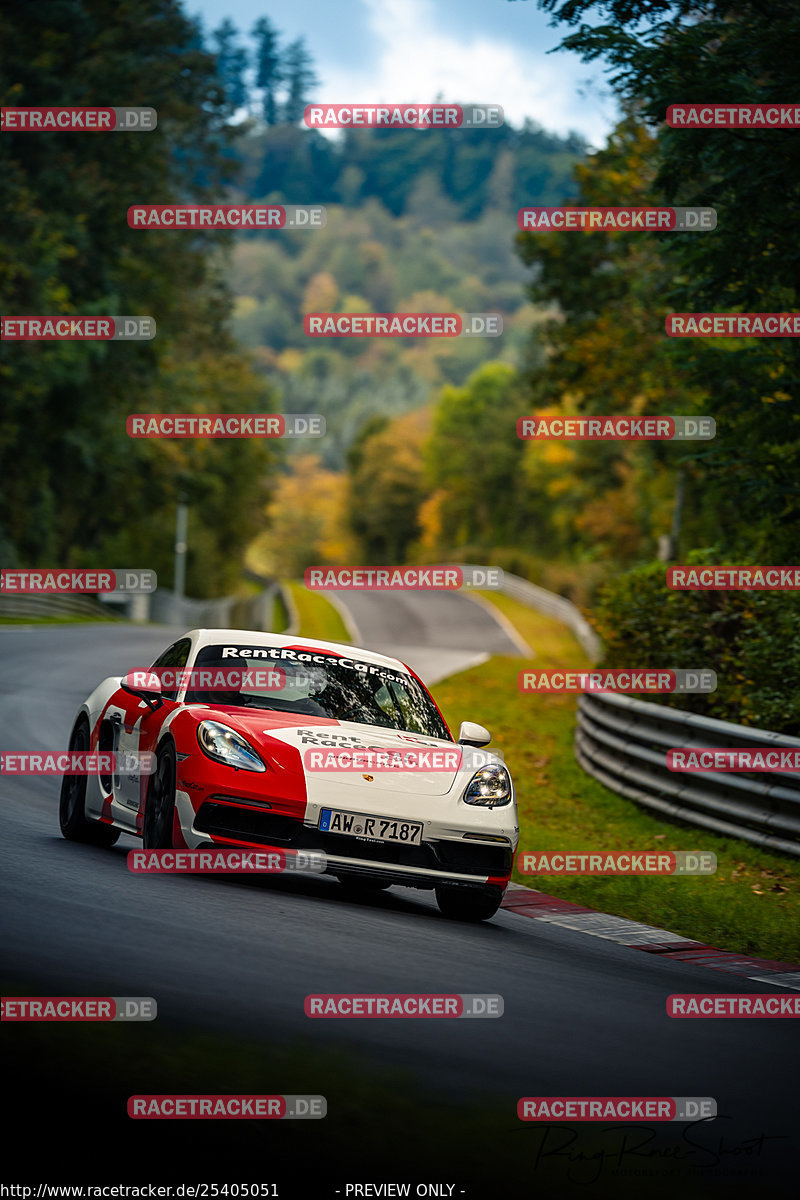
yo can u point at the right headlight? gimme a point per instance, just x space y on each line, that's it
490 787
227 746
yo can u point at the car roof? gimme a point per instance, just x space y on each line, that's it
257 637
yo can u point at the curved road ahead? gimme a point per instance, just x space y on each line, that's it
582 1016
434 633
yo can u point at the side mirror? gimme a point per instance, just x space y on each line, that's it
144 684
471 734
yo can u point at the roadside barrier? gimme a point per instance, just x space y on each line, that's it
623 743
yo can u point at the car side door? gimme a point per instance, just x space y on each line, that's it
141 724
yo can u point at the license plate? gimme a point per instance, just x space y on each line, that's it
379 829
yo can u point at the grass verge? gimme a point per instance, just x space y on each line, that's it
751 905
280 617
318 617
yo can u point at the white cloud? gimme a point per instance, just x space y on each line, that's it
417 62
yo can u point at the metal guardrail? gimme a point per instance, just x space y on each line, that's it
623 743
556 606
161 606
238 612
56 606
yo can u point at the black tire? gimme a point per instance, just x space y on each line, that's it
72 801
159 808
363 884
468 904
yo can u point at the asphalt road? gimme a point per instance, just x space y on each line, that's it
434 633
582 1016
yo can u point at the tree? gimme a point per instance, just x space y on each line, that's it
387 486
76 488
306 521
321 293
269 70
608 354
718 51
231 65
474 455
300 79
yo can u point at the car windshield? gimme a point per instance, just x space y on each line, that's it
313 683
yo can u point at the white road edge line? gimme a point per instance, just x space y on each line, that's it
612 931
502 620
353 632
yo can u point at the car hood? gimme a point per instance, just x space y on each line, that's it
267 731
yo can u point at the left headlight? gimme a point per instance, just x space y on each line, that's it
227 746
490 787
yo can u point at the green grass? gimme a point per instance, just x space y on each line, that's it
751 905
280 617
318 617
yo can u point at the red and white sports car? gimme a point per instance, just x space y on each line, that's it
250 731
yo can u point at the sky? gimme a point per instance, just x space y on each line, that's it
478 51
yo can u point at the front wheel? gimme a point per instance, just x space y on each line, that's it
159 807
72 802
468 904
